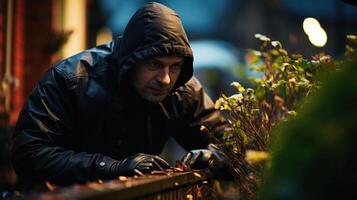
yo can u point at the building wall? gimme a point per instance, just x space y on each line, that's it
2 5
40 39
32 36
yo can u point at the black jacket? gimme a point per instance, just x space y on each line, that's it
82 113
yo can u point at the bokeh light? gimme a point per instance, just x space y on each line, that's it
317 35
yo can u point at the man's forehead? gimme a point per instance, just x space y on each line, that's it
167 59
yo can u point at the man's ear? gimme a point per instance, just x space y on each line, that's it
127 79
130 75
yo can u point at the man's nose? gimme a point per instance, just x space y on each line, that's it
164 76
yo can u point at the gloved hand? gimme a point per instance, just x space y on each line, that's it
211 158
145 163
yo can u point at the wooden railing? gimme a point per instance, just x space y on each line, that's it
159 186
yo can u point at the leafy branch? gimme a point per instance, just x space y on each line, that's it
254 112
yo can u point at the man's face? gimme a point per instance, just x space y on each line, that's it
154 78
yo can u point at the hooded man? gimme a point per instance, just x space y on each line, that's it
108 111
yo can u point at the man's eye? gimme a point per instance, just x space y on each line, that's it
175 67
153 66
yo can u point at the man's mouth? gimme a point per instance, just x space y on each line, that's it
159 91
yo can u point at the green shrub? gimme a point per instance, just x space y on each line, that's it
314 156
254 112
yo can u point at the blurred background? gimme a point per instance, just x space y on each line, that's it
36 34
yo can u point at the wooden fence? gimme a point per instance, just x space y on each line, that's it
159 186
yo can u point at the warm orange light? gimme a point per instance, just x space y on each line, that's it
103 36
74 20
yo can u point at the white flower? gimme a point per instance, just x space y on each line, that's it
262 37
276 44
237 97
237 85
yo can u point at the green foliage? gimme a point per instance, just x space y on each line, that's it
254 112
314 155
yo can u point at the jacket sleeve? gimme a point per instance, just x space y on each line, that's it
197 111
46 119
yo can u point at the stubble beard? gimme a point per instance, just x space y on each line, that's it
152 97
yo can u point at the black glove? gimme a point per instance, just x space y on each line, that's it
144 163
211 158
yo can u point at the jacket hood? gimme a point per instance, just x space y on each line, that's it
154 30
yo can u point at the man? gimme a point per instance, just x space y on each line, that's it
108 111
